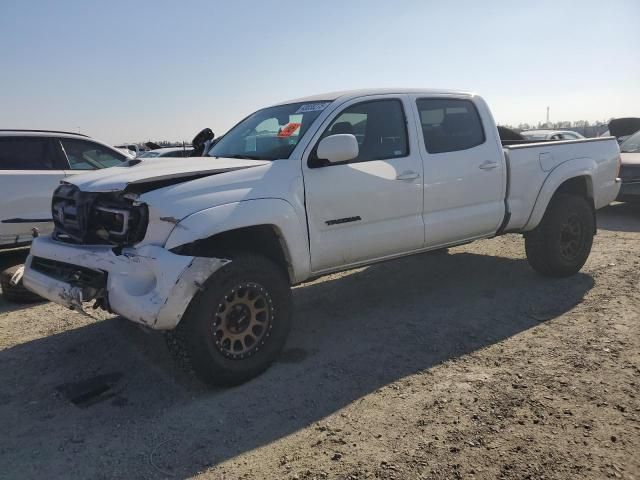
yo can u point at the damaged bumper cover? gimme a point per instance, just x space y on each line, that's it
148 285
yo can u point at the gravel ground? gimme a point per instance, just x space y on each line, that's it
467 365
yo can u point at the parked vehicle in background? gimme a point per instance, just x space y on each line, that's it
308 187
550 135
622 128
630 169
167 152
32 163
507 134
511 137
130 149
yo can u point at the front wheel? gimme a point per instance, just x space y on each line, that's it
236 327
560 245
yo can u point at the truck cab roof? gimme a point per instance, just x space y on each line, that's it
349 94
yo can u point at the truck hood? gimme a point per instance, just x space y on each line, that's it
147 174
630 158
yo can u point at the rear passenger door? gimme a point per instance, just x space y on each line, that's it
30 170
464 170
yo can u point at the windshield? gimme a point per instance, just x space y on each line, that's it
631 144
269 134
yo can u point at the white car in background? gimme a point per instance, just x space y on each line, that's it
32 164
549 135
131 150
167 152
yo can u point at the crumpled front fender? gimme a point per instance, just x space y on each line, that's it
162 305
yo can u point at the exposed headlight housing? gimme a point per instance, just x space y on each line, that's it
97 218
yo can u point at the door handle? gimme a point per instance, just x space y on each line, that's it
488 165
408 175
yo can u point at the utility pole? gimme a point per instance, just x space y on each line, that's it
548 117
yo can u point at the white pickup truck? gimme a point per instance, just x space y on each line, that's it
211 245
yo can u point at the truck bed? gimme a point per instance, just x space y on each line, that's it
540 163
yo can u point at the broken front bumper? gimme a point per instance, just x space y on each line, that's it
148 285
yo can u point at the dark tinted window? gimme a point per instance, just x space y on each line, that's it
449 125
379 126
84 155
26 153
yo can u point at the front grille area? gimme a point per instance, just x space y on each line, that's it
68 273
97 218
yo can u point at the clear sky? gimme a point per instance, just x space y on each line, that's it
154 69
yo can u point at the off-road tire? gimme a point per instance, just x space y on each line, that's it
560 245
210 362
16 293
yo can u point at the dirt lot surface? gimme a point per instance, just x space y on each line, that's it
467 365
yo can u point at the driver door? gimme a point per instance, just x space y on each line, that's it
370 207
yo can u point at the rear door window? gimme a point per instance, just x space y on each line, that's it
27 153
450 125
85 155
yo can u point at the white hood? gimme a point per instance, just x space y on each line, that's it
152 170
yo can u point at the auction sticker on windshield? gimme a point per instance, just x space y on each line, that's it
289 129
312 107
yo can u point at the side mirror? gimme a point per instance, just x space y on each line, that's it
338 148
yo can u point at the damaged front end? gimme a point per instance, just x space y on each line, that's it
91 257
91 218
148 285
81 284
107 243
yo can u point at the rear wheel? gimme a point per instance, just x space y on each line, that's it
236 327
14 291
560 245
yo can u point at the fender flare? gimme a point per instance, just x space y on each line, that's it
276 212
577 167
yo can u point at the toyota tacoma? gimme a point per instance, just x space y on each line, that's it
211 245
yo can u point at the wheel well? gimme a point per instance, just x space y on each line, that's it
580 186
262 239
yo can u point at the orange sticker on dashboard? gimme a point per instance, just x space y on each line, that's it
289 129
